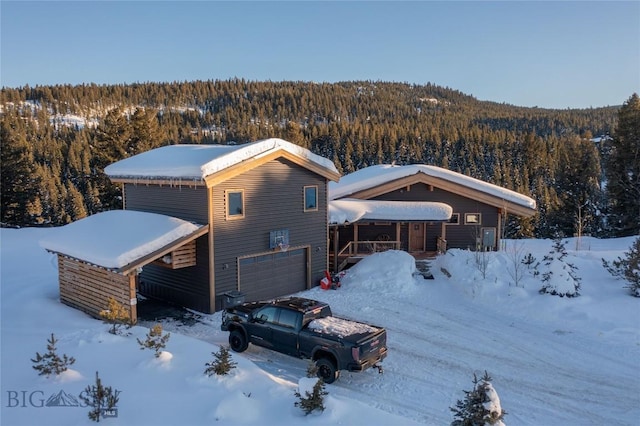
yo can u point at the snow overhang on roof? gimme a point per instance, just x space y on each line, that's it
187 163
121 240
379 175
351 210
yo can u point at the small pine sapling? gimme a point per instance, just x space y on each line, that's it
481 405
51 363
313 400
117 315
155 340
101 399
559 277
528 260
222 364
627 268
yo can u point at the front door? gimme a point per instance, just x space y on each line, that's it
416 236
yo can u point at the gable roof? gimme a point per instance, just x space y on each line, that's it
377 180
121 240
210 164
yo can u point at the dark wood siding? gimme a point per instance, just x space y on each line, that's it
273 200
189 286
181 202
458 236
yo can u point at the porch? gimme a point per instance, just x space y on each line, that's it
354 251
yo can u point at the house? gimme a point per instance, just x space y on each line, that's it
259 212
417 208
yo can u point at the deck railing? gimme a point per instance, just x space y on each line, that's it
354 248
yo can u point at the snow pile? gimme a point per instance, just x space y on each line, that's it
396 276
340 327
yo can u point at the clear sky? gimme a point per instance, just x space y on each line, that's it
571 54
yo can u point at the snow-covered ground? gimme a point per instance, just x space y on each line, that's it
554 361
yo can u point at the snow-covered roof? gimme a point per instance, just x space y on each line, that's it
195 162
117 238
373 176
351 210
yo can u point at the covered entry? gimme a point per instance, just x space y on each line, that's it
272 274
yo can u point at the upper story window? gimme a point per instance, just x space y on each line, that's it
472 218
235 203
455 219
310 198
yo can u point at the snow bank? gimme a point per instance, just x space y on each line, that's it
388 272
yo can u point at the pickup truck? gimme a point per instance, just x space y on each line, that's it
305 328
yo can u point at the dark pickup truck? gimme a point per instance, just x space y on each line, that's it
305 328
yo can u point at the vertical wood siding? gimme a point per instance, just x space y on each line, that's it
273 200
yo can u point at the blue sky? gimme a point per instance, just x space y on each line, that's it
549 54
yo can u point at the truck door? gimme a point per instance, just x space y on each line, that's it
260 332
285 332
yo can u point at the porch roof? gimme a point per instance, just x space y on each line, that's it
351 210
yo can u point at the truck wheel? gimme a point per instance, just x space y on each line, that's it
327 370
237 341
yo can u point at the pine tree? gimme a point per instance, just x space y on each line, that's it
100 398
559 277
117 315
481 405
155 340
623 170
51 363
19 182
222 364
627 268
313 400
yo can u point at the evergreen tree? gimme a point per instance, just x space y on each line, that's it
19 183
51 363
312 401
623 170
155 340
481 405
116 315
222 364
100 398
559 277
627 268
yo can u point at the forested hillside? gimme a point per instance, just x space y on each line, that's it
56 141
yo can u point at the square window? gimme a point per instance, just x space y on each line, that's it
472 218
310 198
455 219
235 204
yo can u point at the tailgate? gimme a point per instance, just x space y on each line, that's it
374 345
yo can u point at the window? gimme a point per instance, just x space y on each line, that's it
267 314
455 219
288 318
310 198
235 203
472 218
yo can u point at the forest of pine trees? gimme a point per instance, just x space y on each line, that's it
52 171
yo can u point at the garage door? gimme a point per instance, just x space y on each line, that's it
274 274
